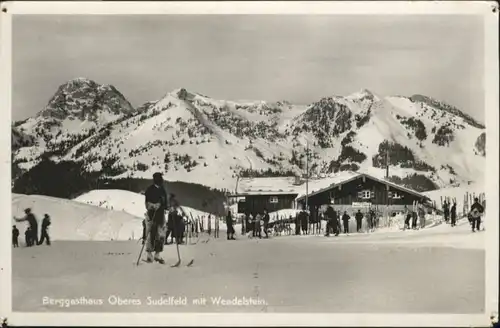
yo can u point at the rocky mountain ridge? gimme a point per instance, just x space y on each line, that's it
194 138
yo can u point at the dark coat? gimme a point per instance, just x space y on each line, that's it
45 223
346 218
157 195
359 216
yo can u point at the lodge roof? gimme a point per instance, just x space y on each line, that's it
267 186
347 176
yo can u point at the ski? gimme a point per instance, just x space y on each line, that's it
190 263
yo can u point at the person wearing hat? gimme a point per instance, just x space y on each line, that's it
156 205
33 224
45 227
476 210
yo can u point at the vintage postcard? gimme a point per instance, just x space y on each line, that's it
249 163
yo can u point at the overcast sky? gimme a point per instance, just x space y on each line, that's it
296 58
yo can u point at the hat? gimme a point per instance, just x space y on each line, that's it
27 210
157 175
45 215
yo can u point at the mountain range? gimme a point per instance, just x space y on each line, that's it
194 138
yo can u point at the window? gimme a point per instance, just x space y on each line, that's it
273 199
366 194
396 195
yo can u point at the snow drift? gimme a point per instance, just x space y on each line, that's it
73 220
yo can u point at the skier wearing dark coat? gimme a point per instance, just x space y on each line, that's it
298 218
230 228
266 220
303 222
453 215
15 236
476 210
345 221
332 221
33 224
359 220
446 210
156 204
414 218
45 227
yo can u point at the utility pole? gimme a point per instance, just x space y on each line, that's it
307 176
387 171
387 162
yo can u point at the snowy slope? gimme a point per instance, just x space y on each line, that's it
76 221
194 138
126 201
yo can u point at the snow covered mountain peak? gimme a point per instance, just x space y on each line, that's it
84 99
194 138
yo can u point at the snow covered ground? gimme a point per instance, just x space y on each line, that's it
347 274
133 203
439 269
76 221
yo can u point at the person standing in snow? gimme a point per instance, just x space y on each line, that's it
45 226
257 227
446 211
359 220
453 214
266 220
177 220
28 235
414 218
229 224
156 204
33 224
476 210
332 220
345 221
15 236
372 219
421 215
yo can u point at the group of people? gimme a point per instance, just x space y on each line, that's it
335 221
257 223
31 233
414 219
450 212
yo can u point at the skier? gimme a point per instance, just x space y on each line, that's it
359 220
332 221
371 220
407 214
266 220
28 235
414 218
156 204
446 211
15 236
230 228
303 222
345 219
257 229
177 220
45 226
476 211
421 214
33 224
453 214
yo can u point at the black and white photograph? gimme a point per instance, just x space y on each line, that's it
256 162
